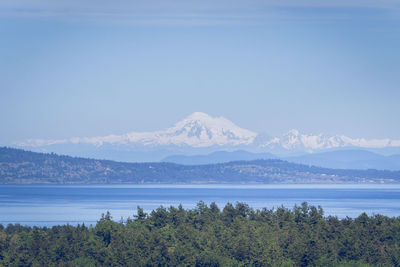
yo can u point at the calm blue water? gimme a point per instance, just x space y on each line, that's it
53 205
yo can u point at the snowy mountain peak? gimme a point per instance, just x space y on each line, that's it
199 116
293 132
199 120
200 130
297 141
197 130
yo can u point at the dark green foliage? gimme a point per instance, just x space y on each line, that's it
207 236
24 167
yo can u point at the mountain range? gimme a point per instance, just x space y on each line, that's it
337 159
200 133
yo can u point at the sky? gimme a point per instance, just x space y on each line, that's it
92 68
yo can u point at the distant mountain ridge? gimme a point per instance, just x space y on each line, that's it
25 167
349 159
339 159
199 132
217 157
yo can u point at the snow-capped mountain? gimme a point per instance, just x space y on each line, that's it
201 131
197 130
294 140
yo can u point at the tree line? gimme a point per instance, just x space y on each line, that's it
235 235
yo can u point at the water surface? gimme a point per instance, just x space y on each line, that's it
53 205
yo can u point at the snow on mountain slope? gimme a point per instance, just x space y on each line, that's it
294 140
196 130
200 130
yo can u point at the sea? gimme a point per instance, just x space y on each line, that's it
49 205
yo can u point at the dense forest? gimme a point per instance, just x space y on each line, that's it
23 167
237 235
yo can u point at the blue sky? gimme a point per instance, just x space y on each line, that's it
88 68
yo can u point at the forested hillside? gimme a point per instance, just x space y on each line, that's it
207 236
24 167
